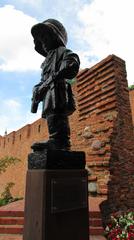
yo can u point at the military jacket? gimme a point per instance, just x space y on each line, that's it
60 65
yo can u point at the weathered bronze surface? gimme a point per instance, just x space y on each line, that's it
56 159
54 90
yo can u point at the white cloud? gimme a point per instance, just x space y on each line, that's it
86 60
14 116
12 104
6 123
107 29
16 45
34 3
10 114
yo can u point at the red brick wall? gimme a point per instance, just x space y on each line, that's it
18 144
107 134
101 126
97 111
121 184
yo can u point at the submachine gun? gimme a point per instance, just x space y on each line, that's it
39 91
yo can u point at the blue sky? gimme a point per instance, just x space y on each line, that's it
96 28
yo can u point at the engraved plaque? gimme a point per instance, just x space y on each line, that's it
68 194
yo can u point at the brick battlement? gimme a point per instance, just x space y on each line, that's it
96 88
22 135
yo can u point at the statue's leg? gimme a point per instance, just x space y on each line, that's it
59 130
59 133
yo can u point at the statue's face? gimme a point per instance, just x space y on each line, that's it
47 41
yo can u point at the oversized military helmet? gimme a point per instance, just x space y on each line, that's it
50 26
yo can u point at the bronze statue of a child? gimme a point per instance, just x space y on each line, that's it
54 90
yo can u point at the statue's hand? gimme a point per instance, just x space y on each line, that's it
42 89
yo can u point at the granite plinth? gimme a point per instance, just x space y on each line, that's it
56 205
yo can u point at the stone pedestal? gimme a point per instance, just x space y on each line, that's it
56 205
56 159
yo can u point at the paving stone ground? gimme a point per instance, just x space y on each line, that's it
15 237
15 206
10 237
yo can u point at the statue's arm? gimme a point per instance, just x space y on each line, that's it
69 66
68 69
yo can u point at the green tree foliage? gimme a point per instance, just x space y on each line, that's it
131 87
6 195
6 161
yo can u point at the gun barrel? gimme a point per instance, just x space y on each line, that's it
34 107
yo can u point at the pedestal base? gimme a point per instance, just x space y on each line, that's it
56 159
56 205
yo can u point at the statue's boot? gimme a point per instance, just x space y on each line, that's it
59 134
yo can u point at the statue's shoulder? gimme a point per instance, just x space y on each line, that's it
63 51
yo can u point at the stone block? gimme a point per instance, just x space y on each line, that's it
56 205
